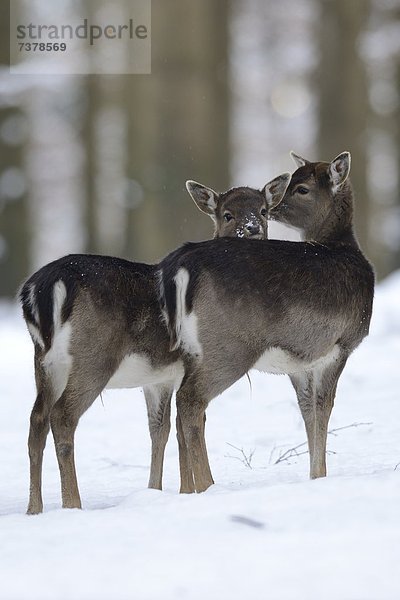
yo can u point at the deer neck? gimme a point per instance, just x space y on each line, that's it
337 227
332 235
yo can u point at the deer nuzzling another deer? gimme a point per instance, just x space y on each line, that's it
96 323
299 308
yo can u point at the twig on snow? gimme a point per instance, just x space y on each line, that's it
333 431
291 452
245 459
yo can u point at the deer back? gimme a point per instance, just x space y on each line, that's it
294 295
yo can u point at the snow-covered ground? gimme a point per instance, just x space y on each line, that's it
264 532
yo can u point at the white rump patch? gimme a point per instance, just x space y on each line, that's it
135 370
58 361
276 360
185 324
59 296
35 334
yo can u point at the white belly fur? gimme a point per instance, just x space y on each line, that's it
276 360
136 371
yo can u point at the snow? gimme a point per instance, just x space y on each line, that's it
264 532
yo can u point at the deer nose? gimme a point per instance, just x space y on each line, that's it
253 229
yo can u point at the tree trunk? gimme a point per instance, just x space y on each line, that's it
14 229
179 125
343 99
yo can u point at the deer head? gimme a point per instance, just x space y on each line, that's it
319 199
241 211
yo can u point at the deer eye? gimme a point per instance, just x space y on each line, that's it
228 217
263 212
302 190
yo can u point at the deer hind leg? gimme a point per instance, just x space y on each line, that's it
38 430
158 402
63 426
74 401
185 467
204 380
191 406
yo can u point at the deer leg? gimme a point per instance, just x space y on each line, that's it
187 483
303 384
158 402
39 428
191 412
315 394
186 472
325 383
63 426
322 414
64 418
204 379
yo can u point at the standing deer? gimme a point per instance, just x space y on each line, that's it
299 308
96 323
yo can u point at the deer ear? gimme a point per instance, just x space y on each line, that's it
299 160
275 189
205 198
339 169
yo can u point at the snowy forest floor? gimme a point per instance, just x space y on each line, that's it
264 531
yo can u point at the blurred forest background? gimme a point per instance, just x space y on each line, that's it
98 163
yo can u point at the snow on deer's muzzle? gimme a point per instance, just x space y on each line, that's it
251 228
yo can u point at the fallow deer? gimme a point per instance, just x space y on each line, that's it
299 308
96 323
